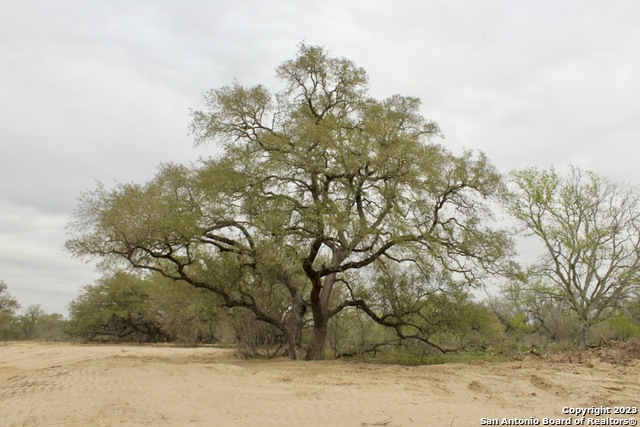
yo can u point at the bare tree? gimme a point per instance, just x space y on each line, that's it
590 228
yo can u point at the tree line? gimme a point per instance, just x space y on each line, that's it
332 220
124 308
31 323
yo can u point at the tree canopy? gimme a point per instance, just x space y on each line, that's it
322 196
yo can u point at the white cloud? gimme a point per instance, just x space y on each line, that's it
102 90
32 261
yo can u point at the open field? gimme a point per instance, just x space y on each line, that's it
109 385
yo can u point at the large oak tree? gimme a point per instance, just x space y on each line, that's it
319 189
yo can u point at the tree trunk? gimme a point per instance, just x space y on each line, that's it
294 328
320 295
585 328
315 351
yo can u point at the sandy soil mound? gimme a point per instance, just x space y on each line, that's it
621 353
85 385
614 352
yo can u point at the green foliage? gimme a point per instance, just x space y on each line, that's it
35 324
409 357
29 321
125 307
458 323
619 327
533 317
114 309
632 309
32 324
255 339
8 306
52 327
353 333
443 320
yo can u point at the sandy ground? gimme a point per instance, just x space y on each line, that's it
87 385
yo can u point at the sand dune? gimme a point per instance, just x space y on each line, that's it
87 385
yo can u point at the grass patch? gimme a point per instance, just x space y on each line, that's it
406 358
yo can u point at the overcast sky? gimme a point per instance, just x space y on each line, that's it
101 90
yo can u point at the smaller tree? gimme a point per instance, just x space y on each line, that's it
532 316
590 229
29 321
116 308
52 327
8 307
187 314
8 303
126 307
